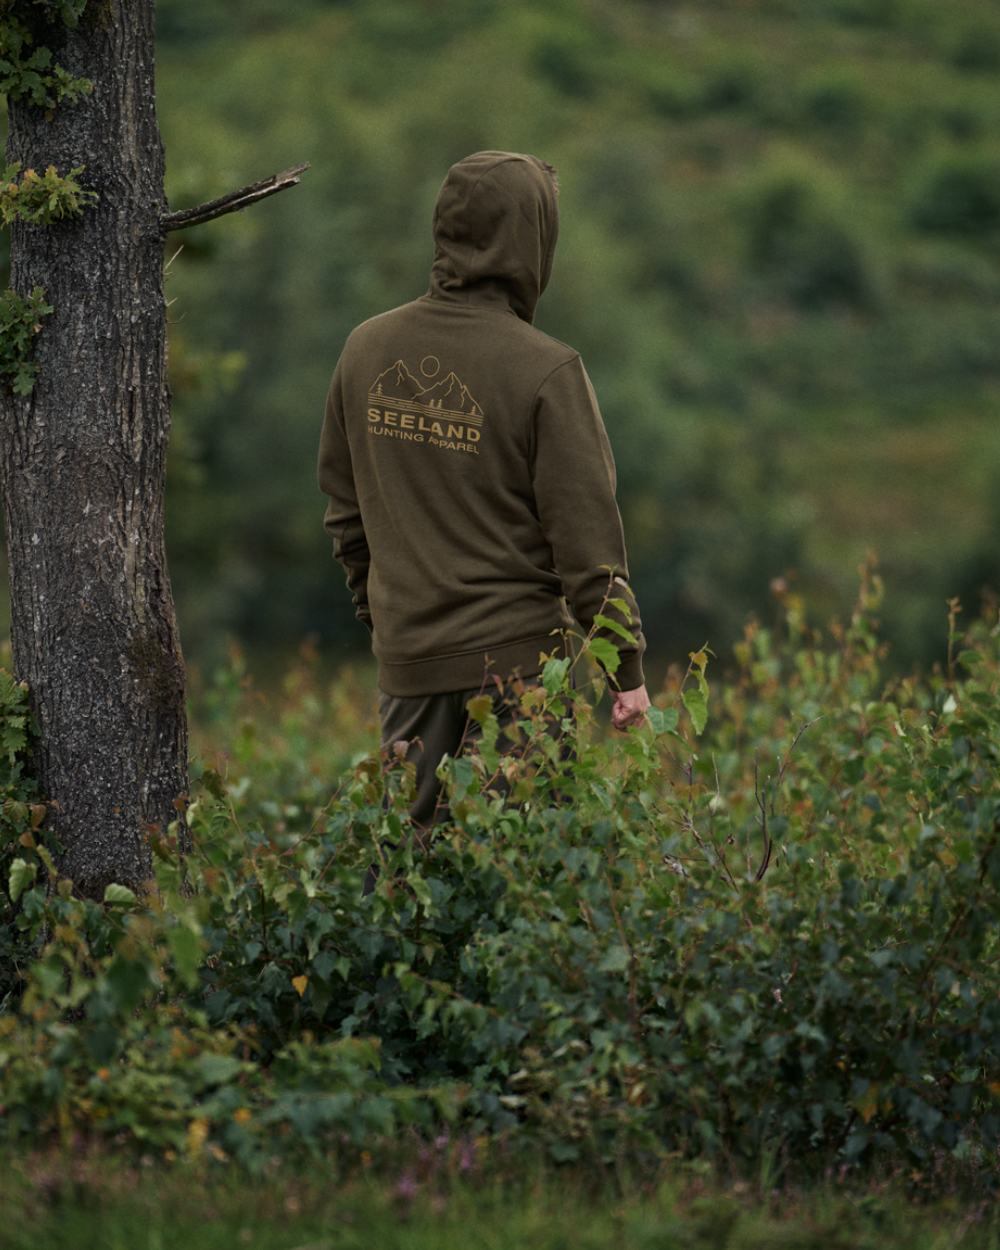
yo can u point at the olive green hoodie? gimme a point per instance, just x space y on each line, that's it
470 479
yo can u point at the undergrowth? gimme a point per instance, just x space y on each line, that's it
771 945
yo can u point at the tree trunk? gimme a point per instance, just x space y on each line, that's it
83 461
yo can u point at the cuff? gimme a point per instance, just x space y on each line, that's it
629 675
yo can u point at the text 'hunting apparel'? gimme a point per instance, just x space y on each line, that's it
470 479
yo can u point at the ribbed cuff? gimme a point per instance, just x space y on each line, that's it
629 676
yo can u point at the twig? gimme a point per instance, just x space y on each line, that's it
234 201
795 742
761 798
688 825
761 801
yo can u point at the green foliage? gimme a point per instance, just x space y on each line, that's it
977 49
67 12
696 698
27 72
20 321
959 194
41 199
27 69
836 99
21 814
570 59
804 240
773 938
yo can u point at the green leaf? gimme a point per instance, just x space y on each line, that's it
186 948
479 707
623 607
213 1069
24 380
554 674
422 890
663 719
616 627
21 873
16 812
115 893
615 960
697 706
129 981
605 653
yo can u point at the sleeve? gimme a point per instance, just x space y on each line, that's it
574 481
342 519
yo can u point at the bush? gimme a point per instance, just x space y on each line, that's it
571 62
977 50
877 13
803 240
771 934
837 101
959 194
20 815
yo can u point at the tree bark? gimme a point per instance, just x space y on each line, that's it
82 467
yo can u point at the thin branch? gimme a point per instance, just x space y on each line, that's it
688 825
795 742
761 800
234 201
768 798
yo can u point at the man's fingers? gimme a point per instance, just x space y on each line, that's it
625 719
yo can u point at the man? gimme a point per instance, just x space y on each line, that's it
470 479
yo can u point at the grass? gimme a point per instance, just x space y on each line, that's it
82 1199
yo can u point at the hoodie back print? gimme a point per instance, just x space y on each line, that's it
470 481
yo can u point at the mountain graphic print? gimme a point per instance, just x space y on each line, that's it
437 413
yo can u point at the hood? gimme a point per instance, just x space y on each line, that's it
495 226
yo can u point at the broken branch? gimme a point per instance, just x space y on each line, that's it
234 201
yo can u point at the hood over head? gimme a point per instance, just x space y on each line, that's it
495 226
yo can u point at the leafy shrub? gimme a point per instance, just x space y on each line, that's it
878 13
27 70
762 925
958 194
836 100
20 320
570 62
977 50
20 815
41 199
732 85
802 238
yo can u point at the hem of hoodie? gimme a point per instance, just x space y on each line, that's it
466 670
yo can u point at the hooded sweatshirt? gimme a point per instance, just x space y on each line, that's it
470 481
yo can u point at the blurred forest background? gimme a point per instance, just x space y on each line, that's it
778 257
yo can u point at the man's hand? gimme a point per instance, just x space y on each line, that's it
629 707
